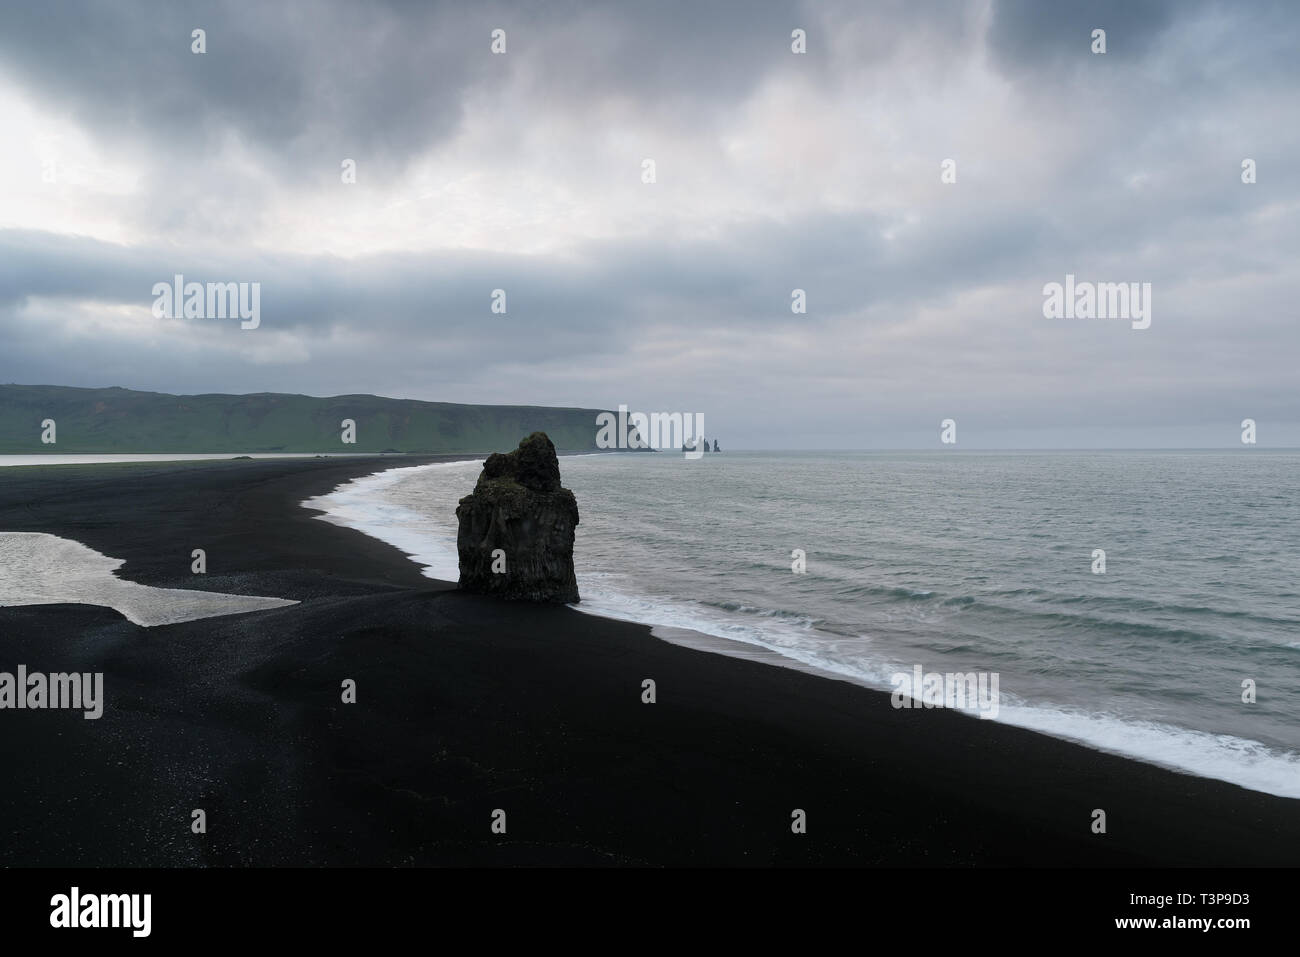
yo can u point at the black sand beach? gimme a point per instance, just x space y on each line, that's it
466 706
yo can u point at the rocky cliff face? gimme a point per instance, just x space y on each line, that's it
515 538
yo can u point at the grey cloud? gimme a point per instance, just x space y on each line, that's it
298 79
1138 187
1029 36
385 80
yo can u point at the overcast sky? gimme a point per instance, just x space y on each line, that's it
523 171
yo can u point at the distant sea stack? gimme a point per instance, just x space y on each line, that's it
516 530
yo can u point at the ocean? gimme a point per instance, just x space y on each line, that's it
956 562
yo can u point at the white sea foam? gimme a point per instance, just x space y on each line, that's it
1247 763
41 569
387 506
1224 757
374 504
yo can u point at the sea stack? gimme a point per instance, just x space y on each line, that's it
516 530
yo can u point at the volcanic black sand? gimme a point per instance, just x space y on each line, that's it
465 706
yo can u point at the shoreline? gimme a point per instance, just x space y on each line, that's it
360 505
465 705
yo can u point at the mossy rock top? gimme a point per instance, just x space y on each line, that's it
534 465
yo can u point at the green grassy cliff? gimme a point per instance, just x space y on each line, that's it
121 420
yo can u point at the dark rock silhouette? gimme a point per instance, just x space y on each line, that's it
519 507
715 446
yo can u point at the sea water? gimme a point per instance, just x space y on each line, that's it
41 569
957 562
